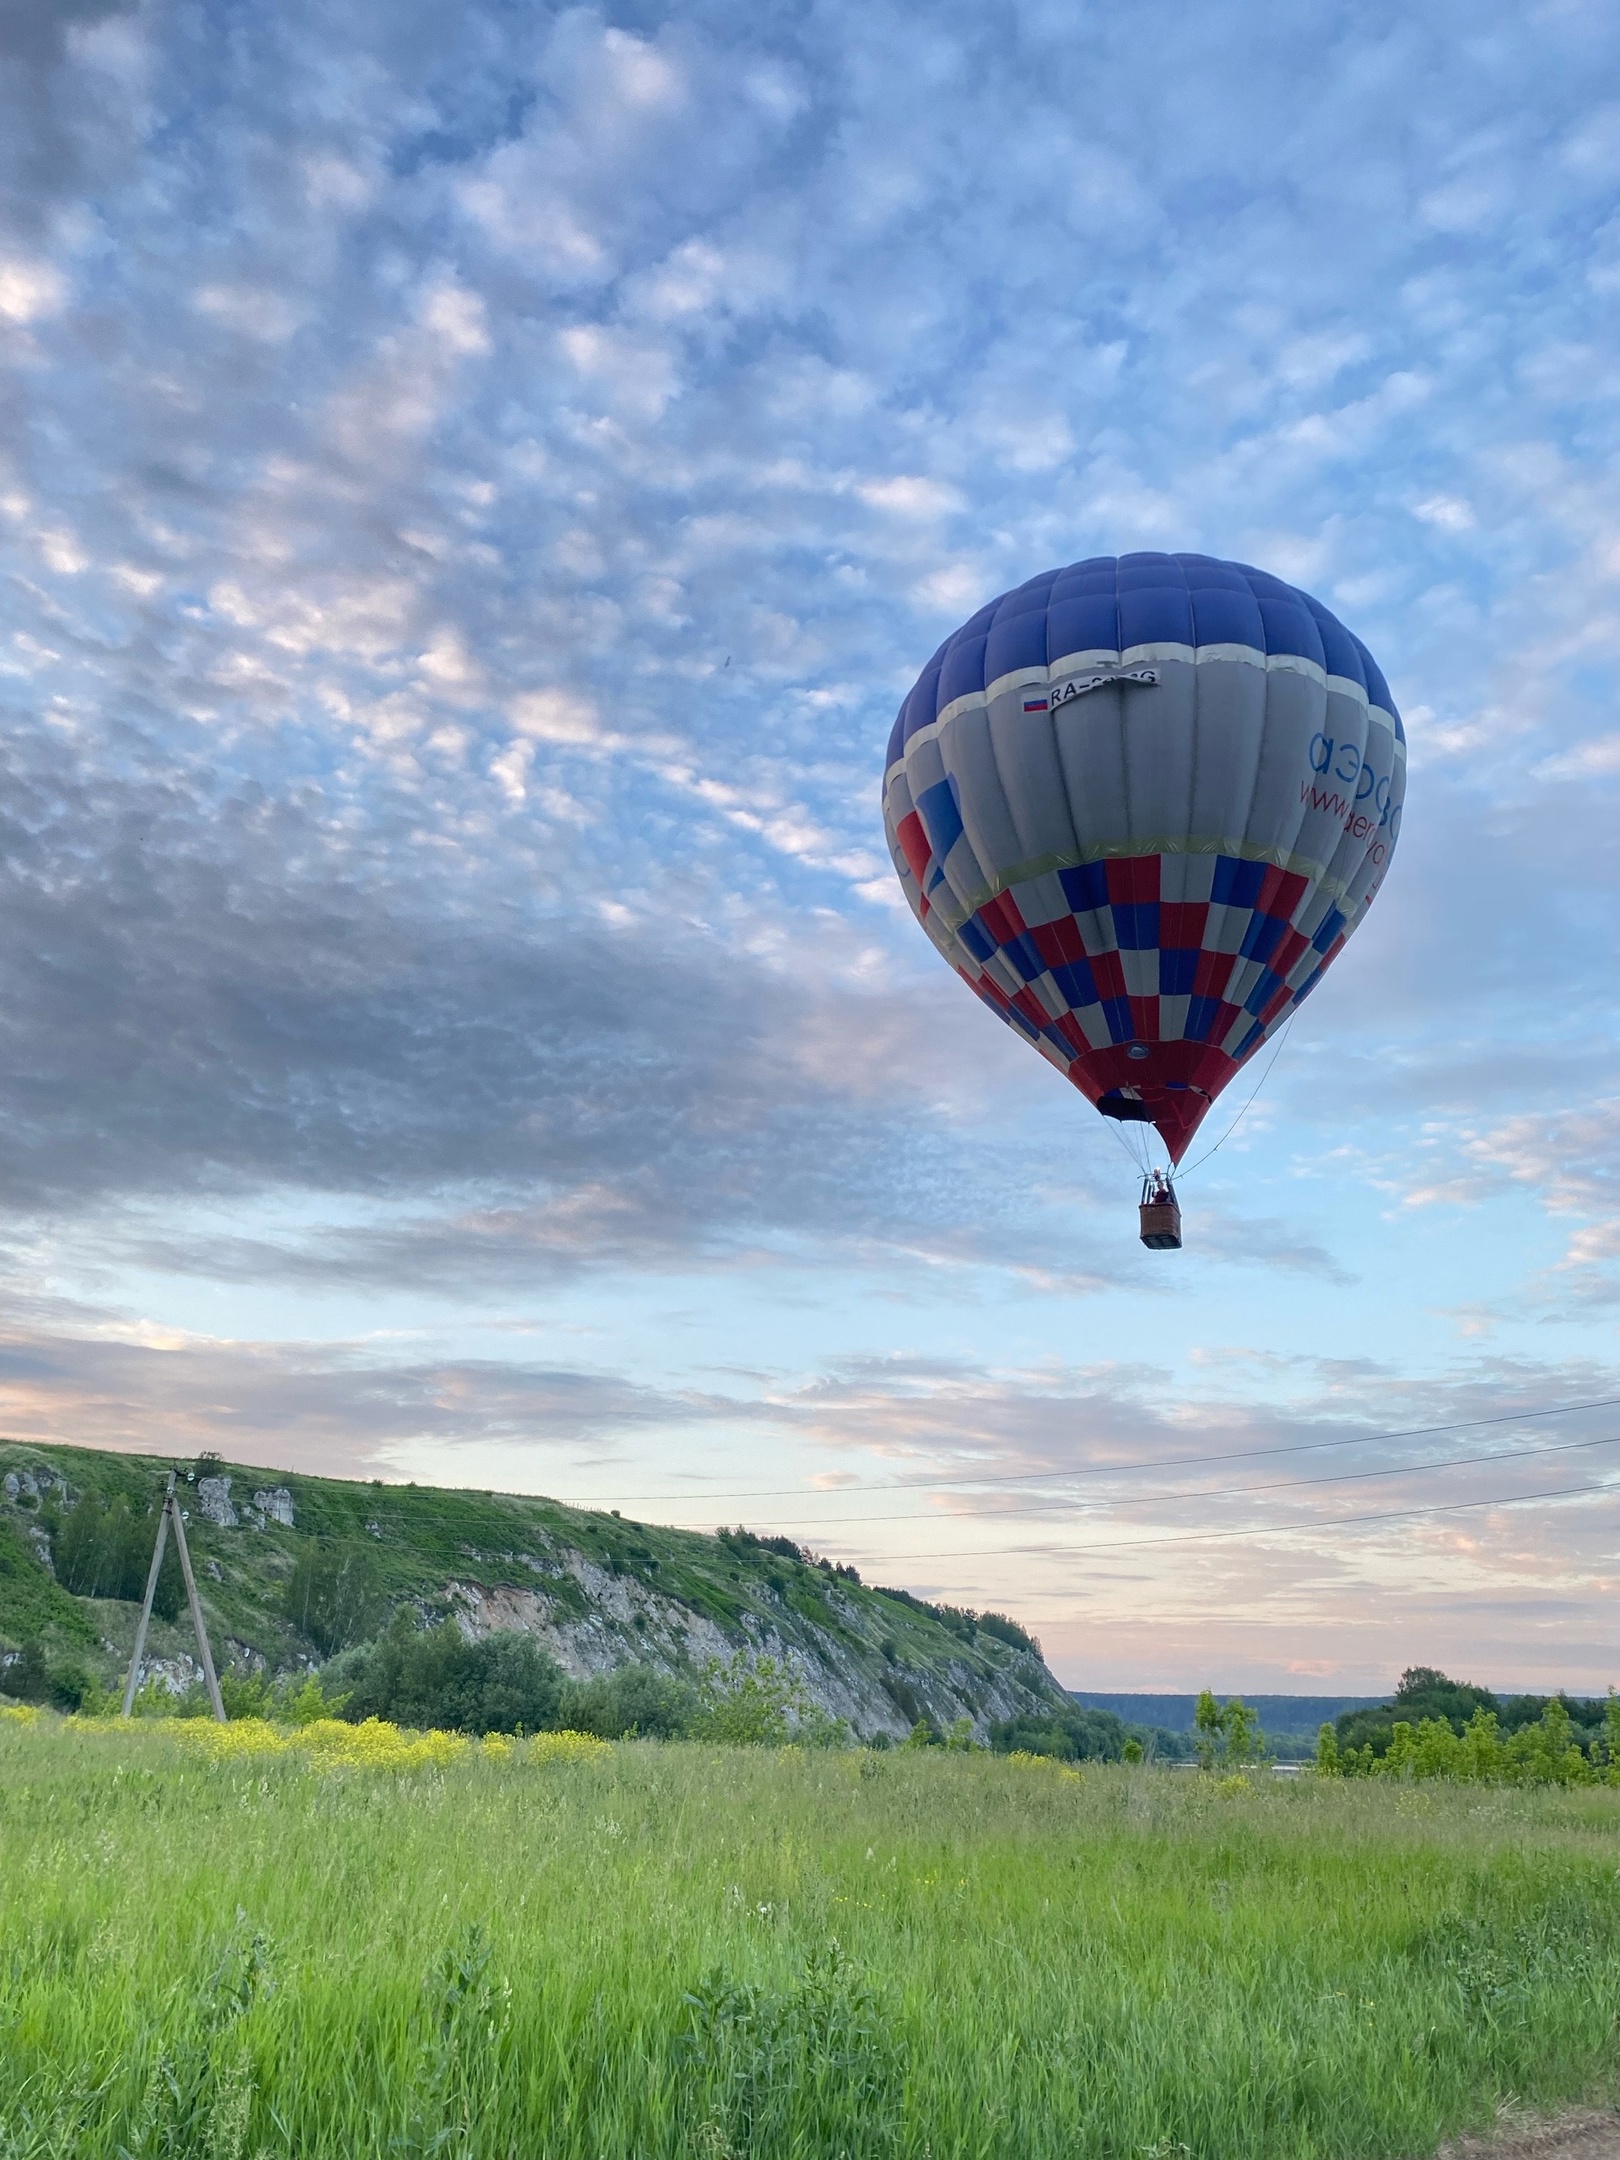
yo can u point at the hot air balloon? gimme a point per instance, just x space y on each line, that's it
1139 805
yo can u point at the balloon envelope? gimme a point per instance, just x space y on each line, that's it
1139 804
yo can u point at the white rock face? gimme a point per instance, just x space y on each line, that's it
276 1506
176 1673
669 1636
33 1485
214 1502
628 1622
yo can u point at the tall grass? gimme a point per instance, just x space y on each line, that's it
656 1951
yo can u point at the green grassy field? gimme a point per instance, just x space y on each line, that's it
650 1951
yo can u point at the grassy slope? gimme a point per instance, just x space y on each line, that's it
606 1591
669 1952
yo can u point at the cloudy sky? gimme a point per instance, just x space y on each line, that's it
475 484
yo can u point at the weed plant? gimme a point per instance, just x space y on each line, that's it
246 1941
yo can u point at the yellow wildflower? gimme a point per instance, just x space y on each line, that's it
552 1747
1025 1761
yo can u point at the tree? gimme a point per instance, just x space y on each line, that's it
27 1676
634 1701
1073 1735
1424 1693
103 1549
435 1680
1229 1734
1207 1725
752 1701
333 1594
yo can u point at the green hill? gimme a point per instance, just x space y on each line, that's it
294 1569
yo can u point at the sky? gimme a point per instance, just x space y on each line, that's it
475 485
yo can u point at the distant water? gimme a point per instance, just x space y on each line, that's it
1278 1713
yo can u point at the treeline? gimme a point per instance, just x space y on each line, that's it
103 1549
1085 1735
435 1679
1441 1728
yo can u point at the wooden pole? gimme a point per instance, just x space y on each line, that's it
196 1606
146 1607
171 1508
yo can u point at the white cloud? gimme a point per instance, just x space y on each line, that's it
30 289
251 311
556 716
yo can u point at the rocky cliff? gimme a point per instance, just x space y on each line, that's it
293 1568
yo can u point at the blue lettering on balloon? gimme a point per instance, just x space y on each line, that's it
1349 751
1325 742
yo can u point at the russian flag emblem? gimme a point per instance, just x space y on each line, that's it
1034 704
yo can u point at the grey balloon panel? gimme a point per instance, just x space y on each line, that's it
1296 708
1159 737
1090 738
1026 756
1231 733
981 796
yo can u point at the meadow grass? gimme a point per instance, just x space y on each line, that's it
224 1949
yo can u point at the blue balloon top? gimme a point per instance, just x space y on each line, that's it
1112 602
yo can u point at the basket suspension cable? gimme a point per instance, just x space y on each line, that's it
1249 1105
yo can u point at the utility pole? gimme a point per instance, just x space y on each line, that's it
171 1510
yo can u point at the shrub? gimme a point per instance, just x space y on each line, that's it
26 1675
286 1701
72 1686
751 1701
435 1680
1545 1753
635 1700
1427 1696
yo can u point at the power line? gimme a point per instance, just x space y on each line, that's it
1261 1530
1234 1492
1117 1470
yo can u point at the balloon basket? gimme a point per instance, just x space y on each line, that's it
1160 1213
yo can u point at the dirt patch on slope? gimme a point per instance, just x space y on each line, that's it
1581 2134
